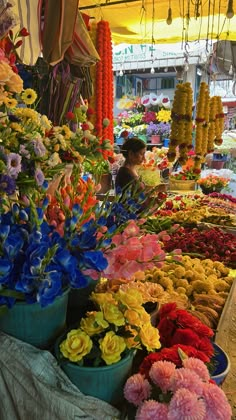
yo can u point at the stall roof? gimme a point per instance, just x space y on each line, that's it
144 21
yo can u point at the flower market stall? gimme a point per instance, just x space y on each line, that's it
110 308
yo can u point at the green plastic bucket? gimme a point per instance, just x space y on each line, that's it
104 382
36 325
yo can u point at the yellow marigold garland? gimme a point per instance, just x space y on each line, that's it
219 121
212 125
181 125
202 118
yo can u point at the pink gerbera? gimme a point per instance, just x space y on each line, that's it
151 410
217 405
137 389
186 405
161 373
186 378
198 367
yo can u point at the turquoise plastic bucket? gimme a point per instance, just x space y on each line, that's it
104 382
36 325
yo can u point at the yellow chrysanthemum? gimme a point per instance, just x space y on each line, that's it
29 96
17 127
10 102
27 113
164 115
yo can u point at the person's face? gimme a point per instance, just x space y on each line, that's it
138 157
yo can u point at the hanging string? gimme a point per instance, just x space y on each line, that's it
153 21
218 29
183 29
200 26
208 25
212 23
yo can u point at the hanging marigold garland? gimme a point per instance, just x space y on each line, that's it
181 126
202 125
219 121
212 125
104 84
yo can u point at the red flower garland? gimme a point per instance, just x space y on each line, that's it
104 84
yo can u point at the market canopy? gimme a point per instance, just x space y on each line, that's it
144 21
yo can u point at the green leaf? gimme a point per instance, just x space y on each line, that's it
12 293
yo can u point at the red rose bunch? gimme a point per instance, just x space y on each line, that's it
178 329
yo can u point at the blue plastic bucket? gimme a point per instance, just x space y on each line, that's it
222 365
104 382
36 325
166 142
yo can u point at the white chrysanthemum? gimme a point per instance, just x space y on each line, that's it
90 125
54 159
86 134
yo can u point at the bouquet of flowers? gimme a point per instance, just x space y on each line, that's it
132 251
188 173
117 324
36 263
213 182
180 329
177 393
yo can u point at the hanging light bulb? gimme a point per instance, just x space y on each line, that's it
231 71
121 72
169 17
152 71
230 12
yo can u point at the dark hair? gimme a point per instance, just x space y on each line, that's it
133 144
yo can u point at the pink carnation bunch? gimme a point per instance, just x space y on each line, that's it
177 394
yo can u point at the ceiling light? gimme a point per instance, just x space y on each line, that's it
152 71
230 12
121 72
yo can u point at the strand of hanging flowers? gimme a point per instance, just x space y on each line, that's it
181 125
202 125
104 83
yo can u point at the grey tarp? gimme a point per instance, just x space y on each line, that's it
33 386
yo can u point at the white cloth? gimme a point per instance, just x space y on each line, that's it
33 386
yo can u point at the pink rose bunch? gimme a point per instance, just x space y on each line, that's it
132 251
175 394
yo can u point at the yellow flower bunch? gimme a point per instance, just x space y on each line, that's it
164 115
181 125
202 124
212 124
118 324
219 121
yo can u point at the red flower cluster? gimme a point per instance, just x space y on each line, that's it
212 243
179 329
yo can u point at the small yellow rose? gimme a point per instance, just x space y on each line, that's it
111 347
76 345
132 341
112 314
101 298
149 336
131 298
137 318
99 318
90 325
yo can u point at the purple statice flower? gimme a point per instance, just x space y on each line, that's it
39 148
39 176
13 118
13 161
7 184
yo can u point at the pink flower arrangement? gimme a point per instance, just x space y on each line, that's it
132 251
177 394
